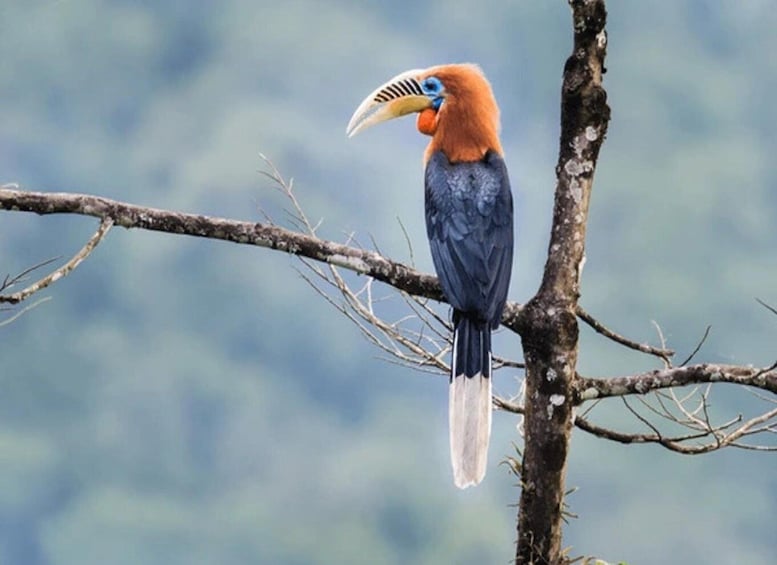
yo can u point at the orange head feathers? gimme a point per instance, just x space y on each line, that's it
456 108
467 121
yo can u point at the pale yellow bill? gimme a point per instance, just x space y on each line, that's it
397 97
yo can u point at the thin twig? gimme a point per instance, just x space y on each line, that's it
698 346
641 418
24 310
64 270
765 370
662 340
10 281
408 241
358 306
600 328
772 309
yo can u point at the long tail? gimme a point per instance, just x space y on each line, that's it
469 409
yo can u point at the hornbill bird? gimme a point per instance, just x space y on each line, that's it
469 222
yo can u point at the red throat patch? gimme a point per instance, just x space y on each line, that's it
427 121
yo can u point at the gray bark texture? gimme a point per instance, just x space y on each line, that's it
548 324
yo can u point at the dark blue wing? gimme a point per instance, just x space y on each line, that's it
469 221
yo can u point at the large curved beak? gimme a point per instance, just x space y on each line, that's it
399 96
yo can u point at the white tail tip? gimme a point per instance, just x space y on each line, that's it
469 406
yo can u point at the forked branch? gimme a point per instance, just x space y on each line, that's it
700 435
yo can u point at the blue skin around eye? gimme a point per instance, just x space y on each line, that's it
432 87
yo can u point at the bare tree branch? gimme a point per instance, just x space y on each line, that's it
689 443
722 435
64 270
627 438
771 309
590 388
508 406
270 236
248 233
600 328
698 346
406 346
11 281
24 310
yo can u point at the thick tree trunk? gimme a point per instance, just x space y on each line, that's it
548 325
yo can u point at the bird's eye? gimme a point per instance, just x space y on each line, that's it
432 85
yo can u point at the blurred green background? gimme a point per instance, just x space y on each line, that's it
183 401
